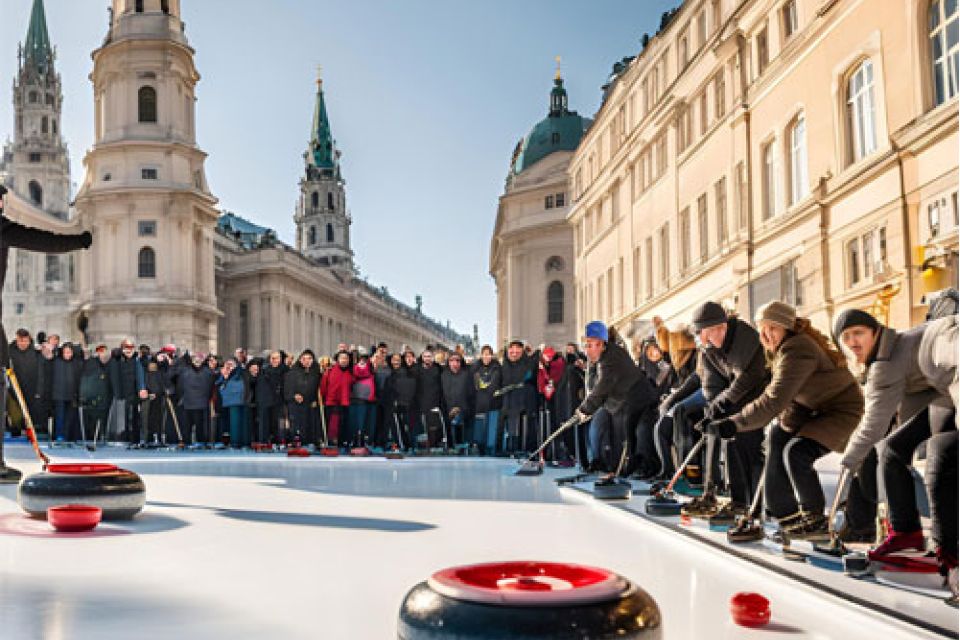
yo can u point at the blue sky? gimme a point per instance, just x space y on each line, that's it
426 100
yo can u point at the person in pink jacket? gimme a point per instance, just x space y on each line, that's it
363 397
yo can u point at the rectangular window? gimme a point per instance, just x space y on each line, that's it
621 290
665 256
742 195
867 247
148 173
789 16
147 228
702 228
769 182
683 54
648 248
683 128
720 195
600 283
702 28
548 202
853 262
763 52
861 116
36 157
636 276
615 203
560 199
798 160
782 283
943 19
684 228
704 113
661 154
720 94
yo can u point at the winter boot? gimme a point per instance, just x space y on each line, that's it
701 507
812 526
746 530
898 541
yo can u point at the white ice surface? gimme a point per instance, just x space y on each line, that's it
262 546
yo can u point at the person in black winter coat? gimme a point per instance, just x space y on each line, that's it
621 389
486 382
66 393
429 397
126 377
156 388
27 364
570 393
300 390
733 374
404 383
386 396
96 393
195 384
269 398
518 384
457 385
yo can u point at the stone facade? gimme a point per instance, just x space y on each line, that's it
802 150
531 251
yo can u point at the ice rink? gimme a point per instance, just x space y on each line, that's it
262 546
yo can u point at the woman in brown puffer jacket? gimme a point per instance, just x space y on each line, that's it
819 404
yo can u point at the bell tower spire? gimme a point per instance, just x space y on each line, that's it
323 223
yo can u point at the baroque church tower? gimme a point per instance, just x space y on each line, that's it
323 224
150 272
36 167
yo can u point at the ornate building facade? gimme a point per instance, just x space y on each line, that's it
36 168
166 264
801 150
531 252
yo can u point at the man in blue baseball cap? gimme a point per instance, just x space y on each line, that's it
621 389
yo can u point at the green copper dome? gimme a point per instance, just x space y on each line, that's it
561 130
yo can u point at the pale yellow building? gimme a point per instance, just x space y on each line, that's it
802 150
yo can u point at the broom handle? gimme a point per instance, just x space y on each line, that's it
575 420
31 433
683 465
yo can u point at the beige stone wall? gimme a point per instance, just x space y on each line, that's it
528 240
792 221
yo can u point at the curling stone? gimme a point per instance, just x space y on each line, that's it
360 451
329 452
750 609
298 452
612 489
530 468
9 475
120 493
528 600
663 504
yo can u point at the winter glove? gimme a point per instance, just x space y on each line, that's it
701 426
719 409
724 428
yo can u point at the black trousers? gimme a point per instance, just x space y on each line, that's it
196 426
895 462
861 507
941 480
267 423
791 483
745 465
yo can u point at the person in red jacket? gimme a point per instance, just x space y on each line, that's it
335 389
549 374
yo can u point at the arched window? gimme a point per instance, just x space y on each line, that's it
555 303
44 125
36 193
944 49
147 104
330 199
314 199
147 263
798 160
312 236
53 125
329 232
861 112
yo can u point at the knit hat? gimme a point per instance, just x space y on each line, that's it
597 329
853 318
707 315
778 313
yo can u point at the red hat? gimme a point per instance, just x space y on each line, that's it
168 348
549 353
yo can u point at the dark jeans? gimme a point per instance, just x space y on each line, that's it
897 458
674 431
791 482
303 420
941 479
153 414
195 426
861 508
67 421
267 419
